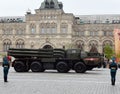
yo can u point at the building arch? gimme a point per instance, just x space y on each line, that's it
47 46
109 39
107 42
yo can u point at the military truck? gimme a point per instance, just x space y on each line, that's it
39 60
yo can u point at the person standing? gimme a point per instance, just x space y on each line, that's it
113 69
6 67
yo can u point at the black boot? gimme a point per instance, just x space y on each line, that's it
112 82
5 79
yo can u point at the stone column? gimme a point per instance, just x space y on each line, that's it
101 33
27 35
100 49
1 31
27 29
27 43
86 33
37 29
13 39
58 28
86 48
1 43
69 29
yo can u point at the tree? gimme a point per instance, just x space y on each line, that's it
108 51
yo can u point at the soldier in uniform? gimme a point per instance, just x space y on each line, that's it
6 66
113 69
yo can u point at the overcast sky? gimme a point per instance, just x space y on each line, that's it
77 7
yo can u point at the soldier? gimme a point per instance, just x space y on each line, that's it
9 59
6 67
113 69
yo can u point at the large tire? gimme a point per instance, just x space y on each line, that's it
19 66
62 67
36 67
80 67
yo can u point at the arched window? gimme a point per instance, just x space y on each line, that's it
53 30
20 32
93 33
48 30
46 4
80 44
32 28
107 42
64 28
81 33
7 31
52 4
93 46
20 44
6 45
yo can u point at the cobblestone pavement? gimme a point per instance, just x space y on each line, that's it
96 81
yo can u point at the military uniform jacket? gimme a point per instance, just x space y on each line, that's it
113 67
6 62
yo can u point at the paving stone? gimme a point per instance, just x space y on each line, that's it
96 81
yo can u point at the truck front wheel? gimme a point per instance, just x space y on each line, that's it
62 67
36 67
80 67
19 66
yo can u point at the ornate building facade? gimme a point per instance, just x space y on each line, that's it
51 27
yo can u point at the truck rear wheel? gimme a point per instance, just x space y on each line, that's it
36 67
19 66
80 67
62 67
